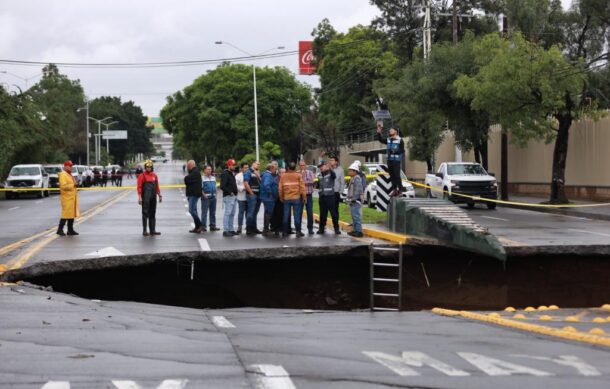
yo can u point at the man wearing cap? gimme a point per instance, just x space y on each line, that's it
395 153
326 197
355 196
148 190
252 184
69 200
228 186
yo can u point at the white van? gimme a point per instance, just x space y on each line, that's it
27 177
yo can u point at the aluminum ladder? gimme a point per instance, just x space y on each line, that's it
388 285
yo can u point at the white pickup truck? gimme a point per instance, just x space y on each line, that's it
466 178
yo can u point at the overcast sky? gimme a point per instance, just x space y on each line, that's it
94 31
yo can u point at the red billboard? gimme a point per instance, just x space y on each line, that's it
306 58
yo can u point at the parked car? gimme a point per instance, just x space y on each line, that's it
31 176
53 171
466 178
159 158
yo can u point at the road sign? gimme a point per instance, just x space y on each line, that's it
114 135
381 114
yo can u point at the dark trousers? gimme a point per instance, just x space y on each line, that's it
328 204
394 168
337 202
309 209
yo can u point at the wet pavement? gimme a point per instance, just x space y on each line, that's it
62 341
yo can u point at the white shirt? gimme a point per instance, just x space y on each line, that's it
241 189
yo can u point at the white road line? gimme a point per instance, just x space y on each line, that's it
222 322
166 384
271 377
495 218
571 217
590 232
39 202
203 243
14 208
56 385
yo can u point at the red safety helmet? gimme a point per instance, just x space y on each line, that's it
68 163
231 162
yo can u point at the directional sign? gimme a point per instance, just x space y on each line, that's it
114 135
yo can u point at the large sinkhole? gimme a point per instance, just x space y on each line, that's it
328 278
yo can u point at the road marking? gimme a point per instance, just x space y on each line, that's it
14 208
167 384
271 377
581 366
495 218
203 244
590 232
106 252
495 367
222 322
572 217
402 365
56 385
39 202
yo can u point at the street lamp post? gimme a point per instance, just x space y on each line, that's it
108 140
25 79
98 141
86 108
254 81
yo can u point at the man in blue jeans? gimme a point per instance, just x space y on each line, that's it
192 181
292 194
228 186
208 201
308 180
242 202
252 183
269 195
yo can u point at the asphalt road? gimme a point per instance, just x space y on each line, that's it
51 340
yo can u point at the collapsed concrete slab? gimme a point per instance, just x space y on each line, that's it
442 220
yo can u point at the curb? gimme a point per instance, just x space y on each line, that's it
559 211
538 329
369 232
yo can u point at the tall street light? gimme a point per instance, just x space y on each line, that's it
25 79
97 137
254 79
86 108
108 140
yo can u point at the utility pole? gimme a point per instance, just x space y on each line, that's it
455 22
427 30
504 142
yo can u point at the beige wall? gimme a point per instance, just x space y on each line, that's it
529 168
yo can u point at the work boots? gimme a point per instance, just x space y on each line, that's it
152 222
144 225
266 221
71 227
60 227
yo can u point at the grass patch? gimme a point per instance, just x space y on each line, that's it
369 215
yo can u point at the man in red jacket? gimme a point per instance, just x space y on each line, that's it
148 190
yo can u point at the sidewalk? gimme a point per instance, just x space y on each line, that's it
597 213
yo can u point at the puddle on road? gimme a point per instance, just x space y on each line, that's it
457 280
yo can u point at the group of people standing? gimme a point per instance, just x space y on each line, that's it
282 193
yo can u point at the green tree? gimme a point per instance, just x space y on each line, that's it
350 65
213 118
528 90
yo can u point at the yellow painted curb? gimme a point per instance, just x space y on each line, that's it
590 338
369 232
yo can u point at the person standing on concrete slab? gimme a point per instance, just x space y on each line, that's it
69 200
395 153
326 198
339 181
242 203
208 201
292 194
355 196
148 190
308 179
269 195
192 181
252 183
228 186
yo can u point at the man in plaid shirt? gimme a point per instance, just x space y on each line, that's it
308 178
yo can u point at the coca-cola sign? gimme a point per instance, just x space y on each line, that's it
306 58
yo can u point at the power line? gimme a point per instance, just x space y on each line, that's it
139 65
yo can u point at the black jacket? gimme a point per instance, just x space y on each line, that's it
227 183
193 183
